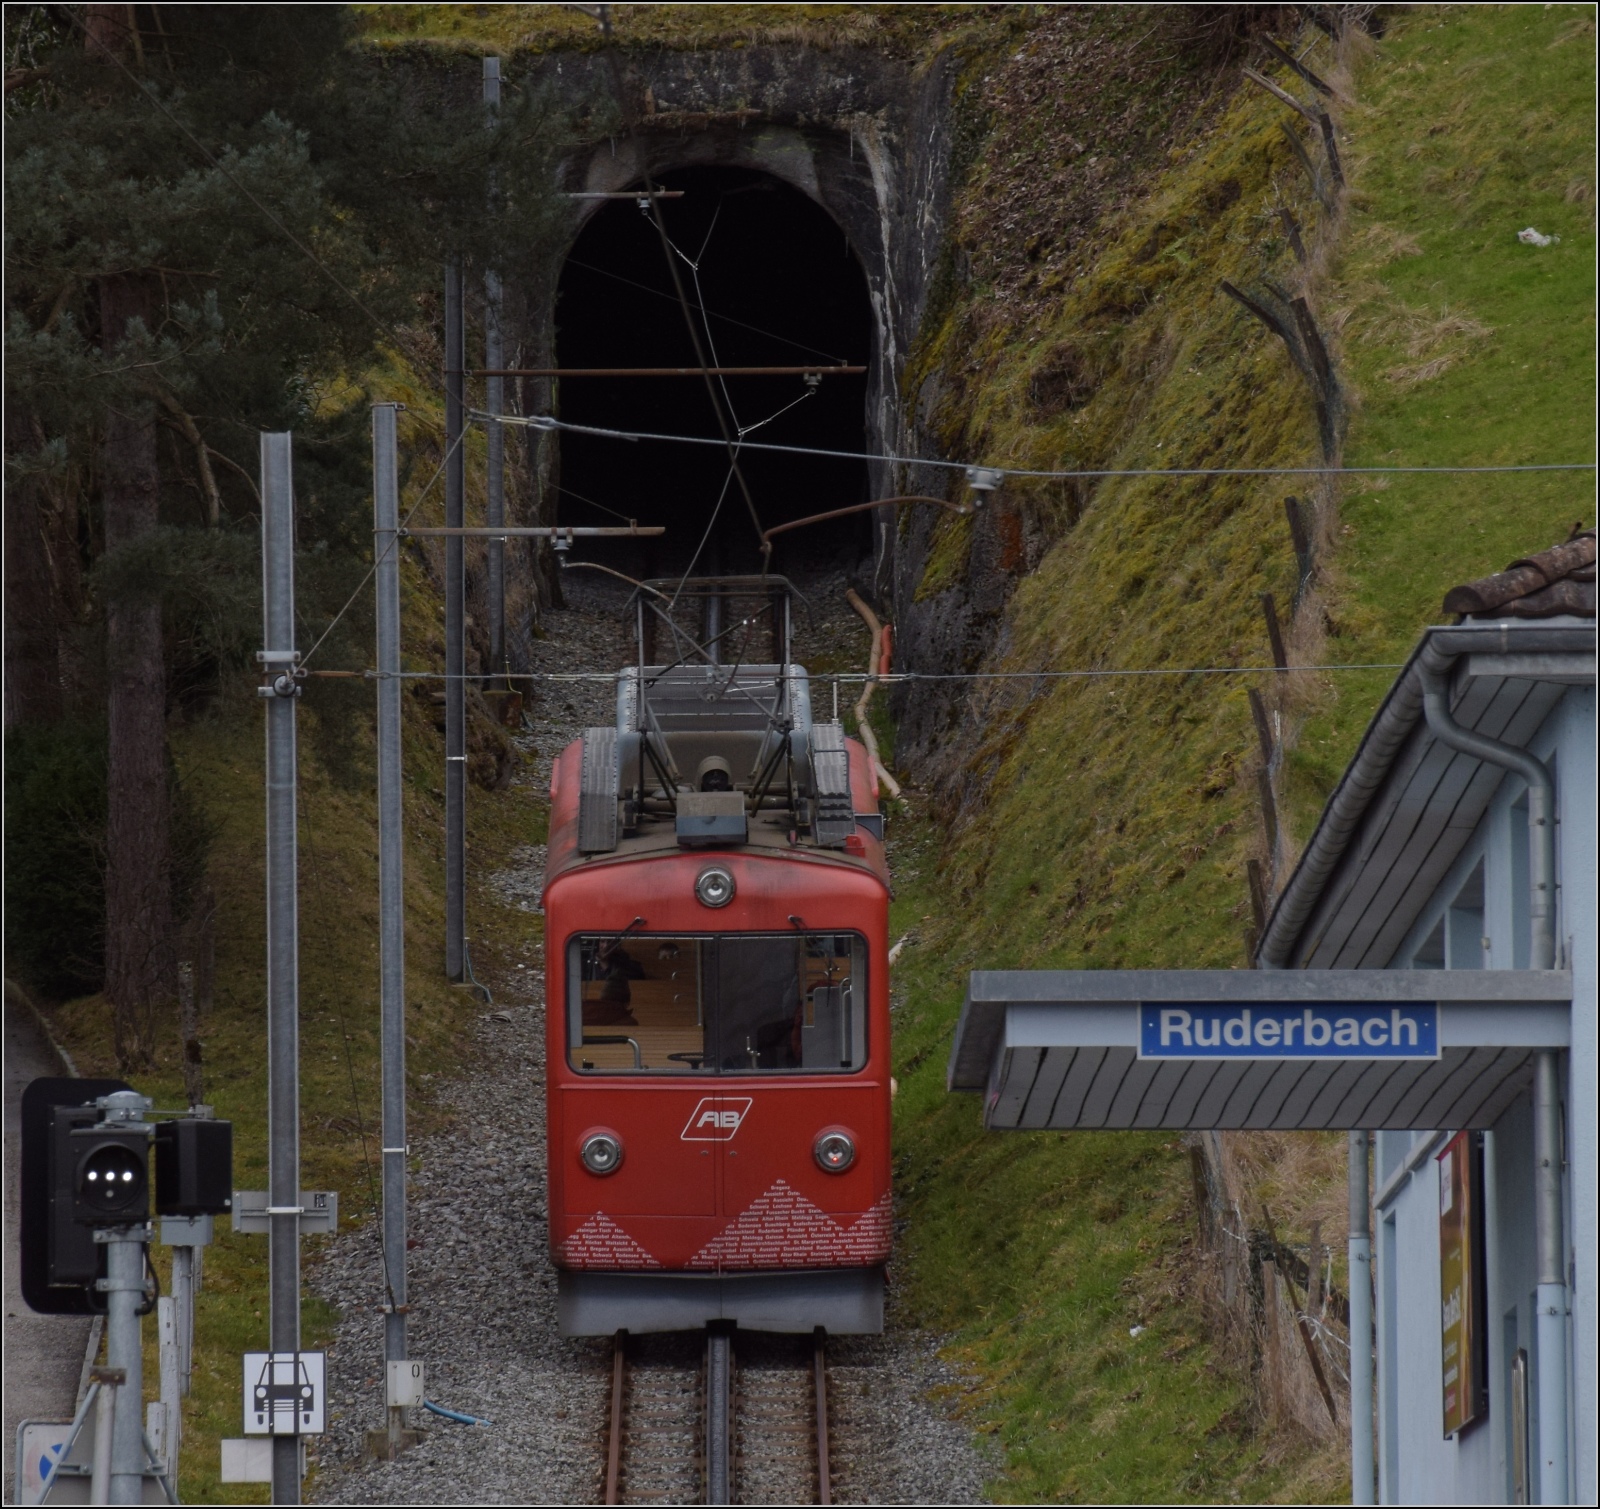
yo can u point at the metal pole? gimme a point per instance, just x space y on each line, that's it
391 885
183 1309
1362 1478
455 660
1550 1331
105 1425
493 356
124 1354
283 929
168 1354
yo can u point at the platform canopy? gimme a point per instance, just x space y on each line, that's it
1302 1049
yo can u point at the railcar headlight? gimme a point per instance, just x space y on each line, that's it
601 1153
714 886
834 1152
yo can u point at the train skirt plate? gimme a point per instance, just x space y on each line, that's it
844 1301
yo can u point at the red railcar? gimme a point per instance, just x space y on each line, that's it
716 906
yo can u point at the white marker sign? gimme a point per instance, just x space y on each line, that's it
285 1393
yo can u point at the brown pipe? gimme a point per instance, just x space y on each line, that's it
961 509
864 728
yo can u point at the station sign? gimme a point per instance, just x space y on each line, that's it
1288 1030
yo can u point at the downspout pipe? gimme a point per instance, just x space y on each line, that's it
1541 809
1363 1479
1550 1334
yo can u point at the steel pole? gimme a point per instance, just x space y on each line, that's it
1363 1482
494 357
1550 1330
125 1354
455 660
283 929
105 1427
391 888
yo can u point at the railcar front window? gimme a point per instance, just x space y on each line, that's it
790 1003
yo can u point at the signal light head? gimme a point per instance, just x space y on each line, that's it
834 1151
113 1184
601 1153
714 886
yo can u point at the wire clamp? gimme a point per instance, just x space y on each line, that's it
983 480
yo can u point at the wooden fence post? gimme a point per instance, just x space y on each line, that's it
1271 1365
1269 610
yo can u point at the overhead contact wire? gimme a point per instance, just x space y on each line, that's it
894 677
394 544
615 70
548 422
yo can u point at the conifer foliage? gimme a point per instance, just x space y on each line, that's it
217 216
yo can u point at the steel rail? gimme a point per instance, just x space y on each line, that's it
819 1384
719 1418
619 1364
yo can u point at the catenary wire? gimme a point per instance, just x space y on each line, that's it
548 422
893 677
361 586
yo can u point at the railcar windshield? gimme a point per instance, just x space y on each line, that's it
746 1003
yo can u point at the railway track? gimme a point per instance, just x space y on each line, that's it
718 1418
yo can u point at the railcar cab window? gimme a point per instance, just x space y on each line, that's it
746 1003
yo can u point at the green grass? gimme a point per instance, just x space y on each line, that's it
551 28
1107 824
1473 122
1040 1254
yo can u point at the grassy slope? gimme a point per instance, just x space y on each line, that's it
1473 123
1114 832
544 28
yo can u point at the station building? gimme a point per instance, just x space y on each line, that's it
1428 975
1422 862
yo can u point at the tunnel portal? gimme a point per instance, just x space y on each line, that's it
777 284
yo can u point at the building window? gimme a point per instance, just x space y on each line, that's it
1465 943
1521 907
1430 954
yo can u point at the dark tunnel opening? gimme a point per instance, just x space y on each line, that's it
778 285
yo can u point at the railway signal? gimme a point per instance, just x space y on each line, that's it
87 1199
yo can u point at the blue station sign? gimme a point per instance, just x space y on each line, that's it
1286 1030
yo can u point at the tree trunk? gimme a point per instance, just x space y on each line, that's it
140 961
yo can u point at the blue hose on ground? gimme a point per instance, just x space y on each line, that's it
453 1414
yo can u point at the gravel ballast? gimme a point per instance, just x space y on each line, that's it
482 1287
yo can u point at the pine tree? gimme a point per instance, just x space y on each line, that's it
213 213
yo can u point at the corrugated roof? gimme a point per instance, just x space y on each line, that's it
1405 806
